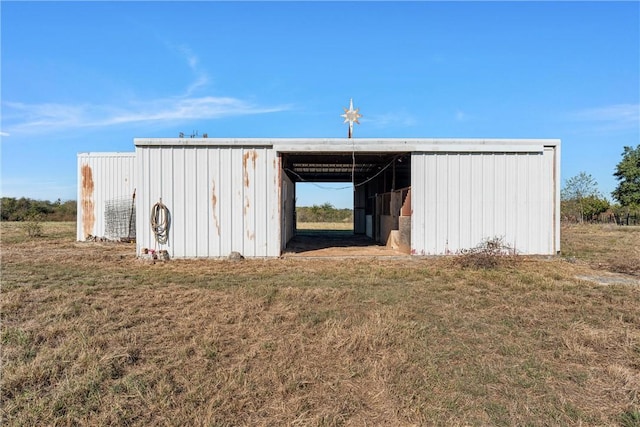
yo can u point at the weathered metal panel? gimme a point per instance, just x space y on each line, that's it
287 196
461 199
103 178
221 199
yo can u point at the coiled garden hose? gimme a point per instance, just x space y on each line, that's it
160 222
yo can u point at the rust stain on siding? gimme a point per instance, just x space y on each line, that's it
88 216
249 155
214 204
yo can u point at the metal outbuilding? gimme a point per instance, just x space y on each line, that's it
106 196
431 196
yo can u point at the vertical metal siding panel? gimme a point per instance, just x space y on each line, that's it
79 233
142 192
442 217
168 184
522 206
257 209
220 160
536 183
98 195
274 242
428 218
155 187
417 207
546 205
225 199
274 212
434 194
223 194
270 234
550 188
154 190
516 197
488 194
546 192
266 228
418 190
499 215
265 188
237 201
105 180
251 159
432 222
202 202
453 204
213 200
263 196
511 198
476 186
191 174
141 196
556 192
174 189
533 204
101 186
420 215
465 201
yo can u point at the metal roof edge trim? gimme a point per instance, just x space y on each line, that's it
107 154
363 144
211 142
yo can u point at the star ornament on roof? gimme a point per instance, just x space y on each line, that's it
351 116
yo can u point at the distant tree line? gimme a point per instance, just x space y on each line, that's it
323 213
24 209
582 202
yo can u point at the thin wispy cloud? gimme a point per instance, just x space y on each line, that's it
41 118
28 118
611 117
201 77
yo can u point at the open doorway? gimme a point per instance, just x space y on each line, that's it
324 206
378 186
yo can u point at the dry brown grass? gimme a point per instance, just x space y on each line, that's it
90 335
608 247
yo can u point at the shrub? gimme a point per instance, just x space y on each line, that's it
33 224
490 253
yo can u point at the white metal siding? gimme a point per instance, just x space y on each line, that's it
288 199
221 199
102 177
461 199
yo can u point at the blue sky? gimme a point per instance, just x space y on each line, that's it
80 77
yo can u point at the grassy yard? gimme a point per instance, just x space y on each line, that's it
92 335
